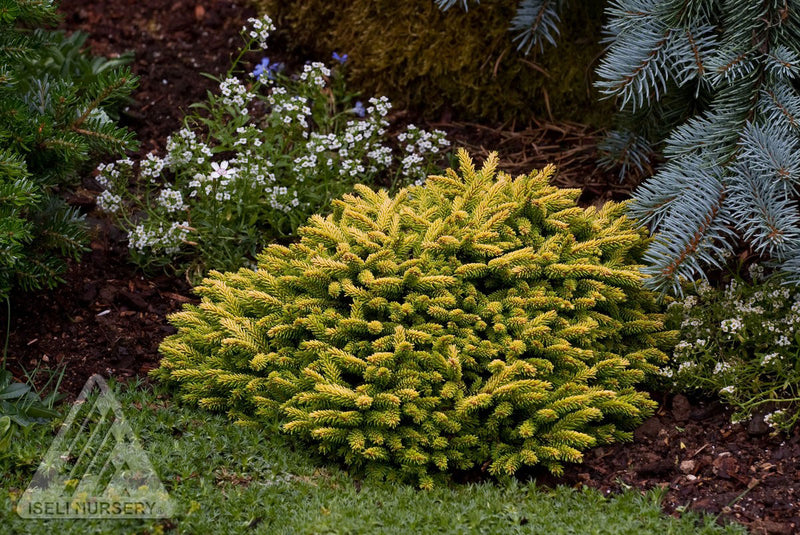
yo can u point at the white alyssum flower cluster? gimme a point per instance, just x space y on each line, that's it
423 141
113 177
259 30
380 157
248 136
772 418
288 109
358 150
731 325
280 198
742 342
721 367
254 170
152 166
379 107
160 237
315 73
171 200
756 272
416 143
235 93
683 346
183 148
109 202
109 174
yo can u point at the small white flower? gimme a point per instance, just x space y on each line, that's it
152 166
721 367
756 272
731 326
704 288
158 238
773 417
259 29
220 170
171 200
109 202
234 92
316 73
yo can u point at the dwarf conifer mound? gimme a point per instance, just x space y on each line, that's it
476 321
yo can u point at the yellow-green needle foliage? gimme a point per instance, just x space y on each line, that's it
479 320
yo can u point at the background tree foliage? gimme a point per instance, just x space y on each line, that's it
53 120
713 85
466 62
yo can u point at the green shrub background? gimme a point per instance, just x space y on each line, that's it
478 320
429 60
55 103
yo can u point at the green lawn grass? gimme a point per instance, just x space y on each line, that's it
227 479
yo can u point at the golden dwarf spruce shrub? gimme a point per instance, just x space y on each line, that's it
478 320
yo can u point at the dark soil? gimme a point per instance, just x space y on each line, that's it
174 42
704 463
108 318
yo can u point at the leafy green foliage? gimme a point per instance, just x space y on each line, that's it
476 319
743 344
20 403
22 409
714 86
465 63
52 121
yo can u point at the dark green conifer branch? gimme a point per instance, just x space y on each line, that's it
48 130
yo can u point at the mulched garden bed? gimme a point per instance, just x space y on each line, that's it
108 318
705 463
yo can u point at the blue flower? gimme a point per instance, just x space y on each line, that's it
359 110
265 68
261 67
341 59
